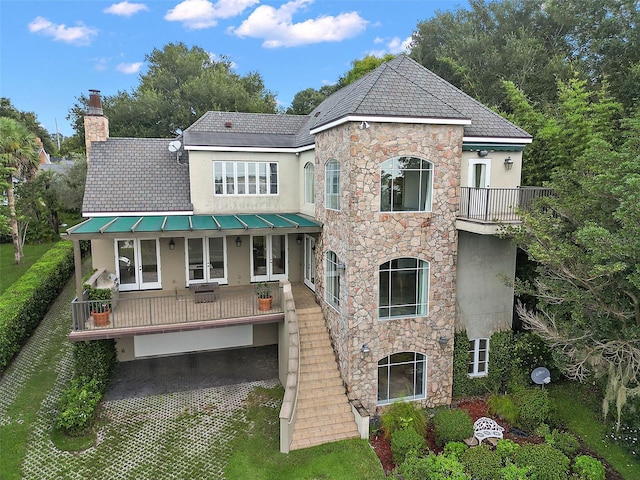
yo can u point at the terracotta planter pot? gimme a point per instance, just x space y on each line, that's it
264 304
100 319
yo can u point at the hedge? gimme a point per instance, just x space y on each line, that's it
24 304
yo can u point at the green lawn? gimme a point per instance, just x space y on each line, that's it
579 409
256 454
10 271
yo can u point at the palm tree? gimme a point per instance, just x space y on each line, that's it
18 159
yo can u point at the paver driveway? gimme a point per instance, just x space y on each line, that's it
180 435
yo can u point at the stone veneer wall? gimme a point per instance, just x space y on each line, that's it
363 238
96 129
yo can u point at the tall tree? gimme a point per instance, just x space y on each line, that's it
29 120
19 160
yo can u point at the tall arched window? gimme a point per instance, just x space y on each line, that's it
402 376
309 183
332 185
403 288
406 185
332 279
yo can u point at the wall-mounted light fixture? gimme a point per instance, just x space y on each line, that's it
483 153
365 349
299 239
508 163
443 341
172 244
341 268
238 242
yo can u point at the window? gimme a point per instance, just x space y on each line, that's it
206 260
332 185
404 288
309 183
245 178
402 376
332 283
405 185
478 357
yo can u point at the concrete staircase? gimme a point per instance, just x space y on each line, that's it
324 413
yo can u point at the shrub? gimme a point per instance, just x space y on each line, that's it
400 415
24 304
452 425
533 406
77 405
588 468
506 449
95 359
433 467
546 462
414 467
566 442
513 472
482 463
404 442
504 407
455 449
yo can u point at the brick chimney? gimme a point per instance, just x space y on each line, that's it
96 125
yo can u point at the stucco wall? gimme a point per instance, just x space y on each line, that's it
486 268
363 238
304 158
500 177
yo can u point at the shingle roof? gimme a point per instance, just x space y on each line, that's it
123 176
404 88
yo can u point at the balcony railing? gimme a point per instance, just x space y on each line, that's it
147 309
498 205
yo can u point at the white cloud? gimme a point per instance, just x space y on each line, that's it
277 28
101 64
80 35
126 9
394 46
129 68
199 14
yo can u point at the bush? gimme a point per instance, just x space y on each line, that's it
434 467
546 462
24 304
482 463
504 407
455 449
77 406
506 449
566 442
96 360
533 406
588 468
400 415
451 425
405 441
513 472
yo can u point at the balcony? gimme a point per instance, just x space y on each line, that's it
134 313
484 210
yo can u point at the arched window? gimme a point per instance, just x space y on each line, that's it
406 185
402 376
332 279
403 288
309 183
332 185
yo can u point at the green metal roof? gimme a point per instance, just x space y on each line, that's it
189 223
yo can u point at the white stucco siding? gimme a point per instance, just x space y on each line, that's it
308 156
500 177
205 202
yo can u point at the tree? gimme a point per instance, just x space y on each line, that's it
586 245
29 120
19 157
180 85
305 101
69 185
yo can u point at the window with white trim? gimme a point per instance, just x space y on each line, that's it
403 288
332 185
332 279
402 376
309 183
245 178
478 357
206 260
406 185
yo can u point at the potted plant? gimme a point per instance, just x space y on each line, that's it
100 305
263 291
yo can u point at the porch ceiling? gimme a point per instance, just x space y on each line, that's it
173 224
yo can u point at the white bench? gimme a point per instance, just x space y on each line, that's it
485 428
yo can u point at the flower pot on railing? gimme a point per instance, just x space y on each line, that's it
263 291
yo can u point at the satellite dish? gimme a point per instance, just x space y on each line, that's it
541 376
174 146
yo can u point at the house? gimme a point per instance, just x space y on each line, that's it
384 203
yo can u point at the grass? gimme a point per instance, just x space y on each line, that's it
579 409
256 454
10 271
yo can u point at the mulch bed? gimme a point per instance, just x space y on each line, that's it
477 407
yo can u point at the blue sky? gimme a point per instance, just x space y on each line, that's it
53 51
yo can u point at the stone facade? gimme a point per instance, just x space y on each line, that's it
364 238
96 129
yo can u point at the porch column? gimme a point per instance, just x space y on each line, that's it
77 261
